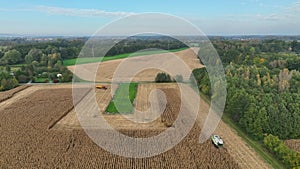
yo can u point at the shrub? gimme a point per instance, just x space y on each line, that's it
163 77
284 153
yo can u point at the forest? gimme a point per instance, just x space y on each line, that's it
263 89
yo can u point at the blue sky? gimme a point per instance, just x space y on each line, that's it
214 17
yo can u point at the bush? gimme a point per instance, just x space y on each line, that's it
284 153
163 77
7 84
201 78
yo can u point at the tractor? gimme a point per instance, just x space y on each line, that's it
101 87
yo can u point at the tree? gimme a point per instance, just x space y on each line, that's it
35 54
163 77
11 57
7 68
29 59
202 79
1 54
238 104
284 153
284 80
7 83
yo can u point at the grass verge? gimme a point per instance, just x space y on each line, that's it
70 62
41 80
119 103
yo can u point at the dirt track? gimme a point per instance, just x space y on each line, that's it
127 67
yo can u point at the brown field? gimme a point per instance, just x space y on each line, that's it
172 108
293 144
27 142
106 70
10 93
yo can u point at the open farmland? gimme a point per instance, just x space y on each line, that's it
106 70
8 94
26 140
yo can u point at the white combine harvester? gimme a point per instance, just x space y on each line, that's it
217 141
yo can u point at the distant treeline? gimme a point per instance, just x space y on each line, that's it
70 48
135 44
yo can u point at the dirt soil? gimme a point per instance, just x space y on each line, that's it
105 71
10 93
293 144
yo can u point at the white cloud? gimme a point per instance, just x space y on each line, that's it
80 12
273 17
295 7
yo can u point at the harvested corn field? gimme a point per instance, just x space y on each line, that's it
8 94
26 141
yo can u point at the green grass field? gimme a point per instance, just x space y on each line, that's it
70 62
122 94
40 80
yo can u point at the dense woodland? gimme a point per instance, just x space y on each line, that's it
263 89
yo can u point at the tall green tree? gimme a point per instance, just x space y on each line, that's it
11 57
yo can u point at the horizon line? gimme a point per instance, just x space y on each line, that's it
16 35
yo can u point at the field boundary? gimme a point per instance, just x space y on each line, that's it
52 124
18 89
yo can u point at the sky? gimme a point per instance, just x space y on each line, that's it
213 17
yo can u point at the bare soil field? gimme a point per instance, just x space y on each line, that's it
293 144
10 93
105 70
